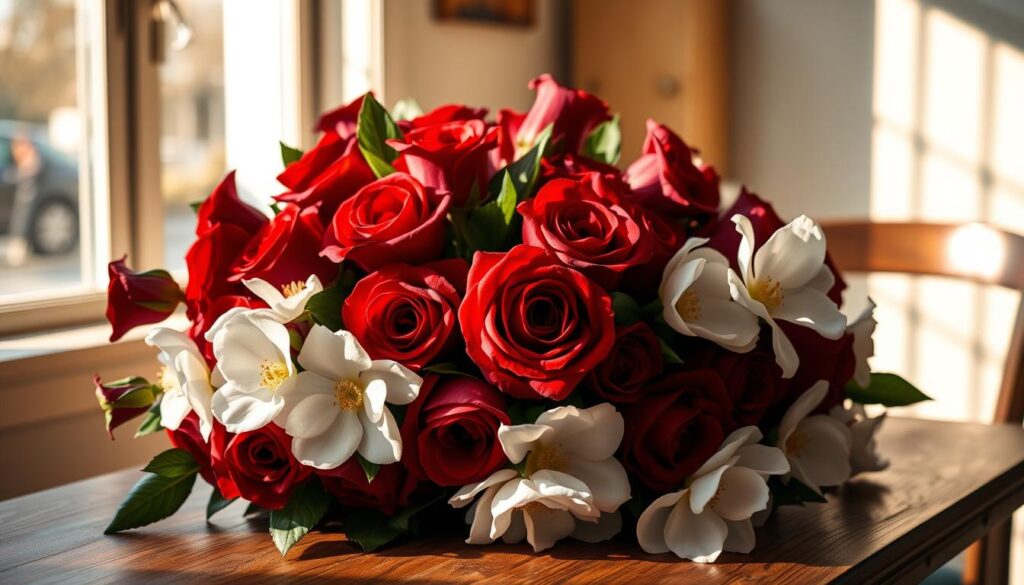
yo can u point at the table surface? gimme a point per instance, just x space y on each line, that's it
947 483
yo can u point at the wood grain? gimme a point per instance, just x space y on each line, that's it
948 483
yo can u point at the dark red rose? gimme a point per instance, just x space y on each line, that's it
138 298
342 120
570 166
286 250
124 399
450 432
680 423
832 360
224 206
443 114
188 438
452 157
210 311
765 222
573 112
257 465
394 219
390 489
534 326
666 237
407 313
584 230
753 380
667 179
635 360
326 176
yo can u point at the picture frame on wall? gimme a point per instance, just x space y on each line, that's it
500 12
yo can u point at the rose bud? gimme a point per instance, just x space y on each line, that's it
635 360
256 465
225 206
286 251
124 399
533 326
668 179
394 219
450 431
407 313
390 489
139 298
586 231
453 157
573 112
680 423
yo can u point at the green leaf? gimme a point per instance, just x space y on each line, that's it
217 503
448 368
172 463
369 468
507 199
153 498
668 353
369 528
525 413
406 109
304 509
525 170
325 306
887 390
627 310
254 510
151 424
195 205
289 154
604 144
374 129
792 492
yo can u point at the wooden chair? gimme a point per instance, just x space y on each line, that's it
931 249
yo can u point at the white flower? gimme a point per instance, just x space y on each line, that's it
337 407
289 302
713 513
253 353
697 302
571 483
863 328
185 380
817 447
863 448
787 280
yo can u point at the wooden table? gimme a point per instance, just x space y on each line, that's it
948 482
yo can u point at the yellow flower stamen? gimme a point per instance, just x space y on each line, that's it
766 291
688 306
546 457
272 374
348 394
293 288
797 442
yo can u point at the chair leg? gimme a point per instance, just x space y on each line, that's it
988 560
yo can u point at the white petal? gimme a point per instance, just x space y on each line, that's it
763 459
812 309
267 292
466 494
174 408
170 342
510 496
741 537
823 281
516 530
545 528
306 384
793 255
743 492
736 439
566 491
704 488
864 451
713 281
606 527
745 251
682 256
311 417
606 479
225 318
241 411
728 324
480 528
800 408
381 443
591 433
518 440
650 527
332 447
698 537
403 385
672 289
375 393
337 356
863 328
825 458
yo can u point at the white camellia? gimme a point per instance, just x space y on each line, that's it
863 428
863 330
289 302
787 279
185 380
571 485
818 446
253 351
697 301
337 406
713 512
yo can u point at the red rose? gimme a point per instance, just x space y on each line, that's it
326 176
573 112
341 121
407 313
224 206
286 250
450 431
584 230
570 166
534 326
634 361
390 489
257 465
666 179
831 360
210 260
138 298
394 219
452 157
508 121
681 422
209 313
753 380
442 115
188 438
765 222
666 236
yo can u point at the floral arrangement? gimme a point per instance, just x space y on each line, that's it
447 317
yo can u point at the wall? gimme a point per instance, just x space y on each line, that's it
477 64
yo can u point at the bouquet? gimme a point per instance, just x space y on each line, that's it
443 316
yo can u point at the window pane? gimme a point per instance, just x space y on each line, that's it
42 146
